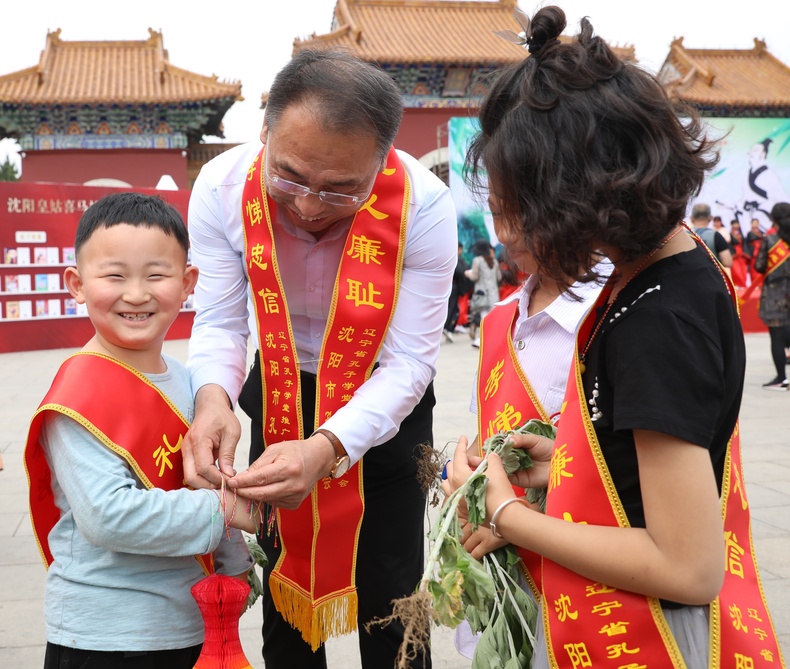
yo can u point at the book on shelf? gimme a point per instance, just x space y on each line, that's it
41 282
39 255
53 307
12 283
10 256
70 305
69 257
26 308
25 283
53 282
53 255
12 309
23 255
82 309
41 308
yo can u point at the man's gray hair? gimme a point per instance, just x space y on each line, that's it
700 211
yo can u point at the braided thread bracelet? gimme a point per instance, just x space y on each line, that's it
494 517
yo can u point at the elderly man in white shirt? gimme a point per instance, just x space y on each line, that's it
328 132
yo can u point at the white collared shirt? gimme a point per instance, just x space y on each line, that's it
308 268
545 342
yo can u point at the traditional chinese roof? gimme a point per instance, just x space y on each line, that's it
718 80
129 72
452 32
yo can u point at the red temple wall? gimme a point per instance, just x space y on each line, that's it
142 168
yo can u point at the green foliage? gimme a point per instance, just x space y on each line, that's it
8 171
253 580
487 594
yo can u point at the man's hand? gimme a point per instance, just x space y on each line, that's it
286 472
212 438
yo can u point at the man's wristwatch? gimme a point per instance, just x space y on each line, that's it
342 461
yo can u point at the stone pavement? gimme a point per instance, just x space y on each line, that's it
765 424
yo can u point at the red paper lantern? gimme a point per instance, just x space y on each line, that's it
221 600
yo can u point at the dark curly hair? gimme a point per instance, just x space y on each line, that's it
780 217
584 149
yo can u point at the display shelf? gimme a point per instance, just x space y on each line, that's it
34 265
32 293
38 238
48 332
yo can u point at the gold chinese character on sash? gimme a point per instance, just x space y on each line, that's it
251 170
334 359
492 384
761 633
375 213
743 661
558 466
256 256
599 589
754 614
274 368
269 299
614 629
578 654
369 332
330 389
768 656
254 211
605 608
617 649
734 553
738 487
346 333
163 453
508 418
275 396
363 297
269 340
365 250
562 605
737 618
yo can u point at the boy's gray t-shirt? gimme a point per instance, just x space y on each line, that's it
124 556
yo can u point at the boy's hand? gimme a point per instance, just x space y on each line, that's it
212 438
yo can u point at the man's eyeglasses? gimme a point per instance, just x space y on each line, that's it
298 190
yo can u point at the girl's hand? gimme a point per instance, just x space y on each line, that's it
499 488
540 450
480 542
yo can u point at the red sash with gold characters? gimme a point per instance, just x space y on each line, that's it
506 399
313 583
777 254
150 446
591 624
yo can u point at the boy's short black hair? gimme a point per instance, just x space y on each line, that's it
136 209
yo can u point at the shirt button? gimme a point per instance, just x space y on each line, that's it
520 344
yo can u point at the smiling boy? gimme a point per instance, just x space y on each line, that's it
117 529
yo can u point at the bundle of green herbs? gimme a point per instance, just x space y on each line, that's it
488 594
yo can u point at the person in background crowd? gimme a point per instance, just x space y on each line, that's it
486 274
719 227
461 286
740 262
715 241
772 263
754 239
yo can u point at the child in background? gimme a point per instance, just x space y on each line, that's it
645 490
123 539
